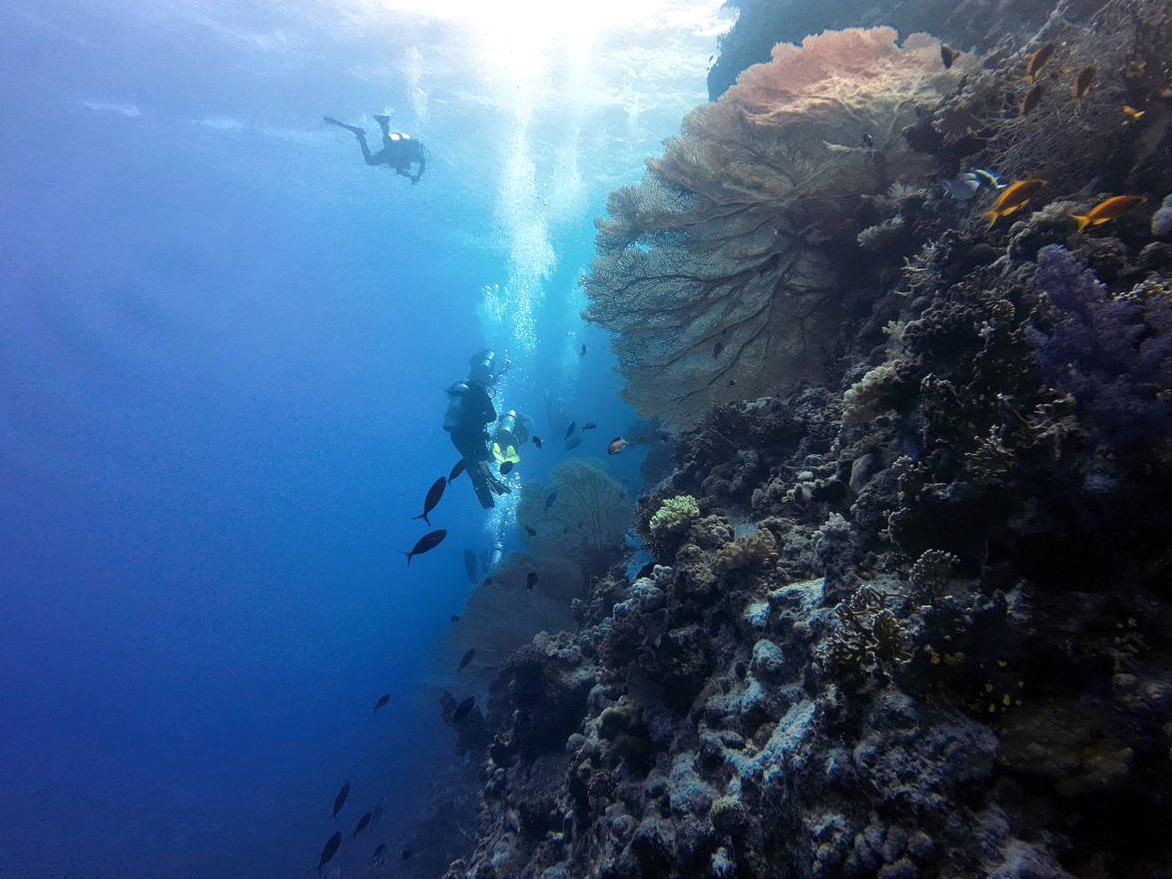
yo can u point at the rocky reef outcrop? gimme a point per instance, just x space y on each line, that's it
912 617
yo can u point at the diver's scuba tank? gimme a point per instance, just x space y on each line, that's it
480 367
498 551
512 432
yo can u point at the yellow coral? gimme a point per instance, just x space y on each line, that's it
674 516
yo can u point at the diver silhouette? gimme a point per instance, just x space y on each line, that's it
400 151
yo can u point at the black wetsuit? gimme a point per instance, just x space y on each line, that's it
470 411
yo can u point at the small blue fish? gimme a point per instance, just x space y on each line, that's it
966 185
549 501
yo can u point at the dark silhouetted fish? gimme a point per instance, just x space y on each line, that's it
573 442
582 351
340 799
362 822
377 814
947 55
506 468
1082 83
1032 99
456 471
589 425
1039 58
426 543
549 501
470 566
382 701
531 531
330 850
654 628
570 429
531 580
406 853
463 708
467 659
433 497
537 441
455 619
380 854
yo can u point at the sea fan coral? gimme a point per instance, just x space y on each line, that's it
710 270
586 520
505 613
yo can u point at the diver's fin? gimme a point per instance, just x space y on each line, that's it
352 128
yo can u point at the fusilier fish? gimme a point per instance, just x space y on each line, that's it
330 850
382 701
549 501
467 659
426 543
362 822
433 497
340 799
457 470
570 429
463 709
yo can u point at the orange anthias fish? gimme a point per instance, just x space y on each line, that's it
1106 211
1082 83
1132 114
1013 198
1038 59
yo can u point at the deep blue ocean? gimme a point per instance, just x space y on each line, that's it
224 344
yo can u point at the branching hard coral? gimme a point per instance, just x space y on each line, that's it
586 520
709 271
930 574
1113 354
868 638
674 517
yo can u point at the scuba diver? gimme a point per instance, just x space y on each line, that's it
470 411
400 151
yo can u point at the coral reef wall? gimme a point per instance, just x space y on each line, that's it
909 615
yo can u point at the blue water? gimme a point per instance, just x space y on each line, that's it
223 348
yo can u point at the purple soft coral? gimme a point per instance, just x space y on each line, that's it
1111 353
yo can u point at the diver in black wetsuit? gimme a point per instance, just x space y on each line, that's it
470 411
400 151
